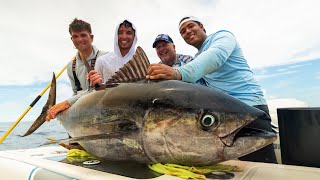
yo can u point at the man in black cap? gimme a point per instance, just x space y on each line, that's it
167 53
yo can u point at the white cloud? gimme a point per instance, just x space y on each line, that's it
10 110
284 69
298 66
64 91
283 103
271 31
260 76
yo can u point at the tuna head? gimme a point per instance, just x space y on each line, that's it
195 125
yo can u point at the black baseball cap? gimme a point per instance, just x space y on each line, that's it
162 37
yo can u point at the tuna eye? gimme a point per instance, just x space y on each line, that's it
208 121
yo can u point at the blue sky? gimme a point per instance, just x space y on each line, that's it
14 100
300 80
280 40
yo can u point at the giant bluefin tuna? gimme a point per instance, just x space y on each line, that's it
164 122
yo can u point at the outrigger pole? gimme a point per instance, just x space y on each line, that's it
30 106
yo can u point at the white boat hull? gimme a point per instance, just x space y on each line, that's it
39 163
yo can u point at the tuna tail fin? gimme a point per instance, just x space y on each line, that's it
50 102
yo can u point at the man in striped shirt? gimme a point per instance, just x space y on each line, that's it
167 53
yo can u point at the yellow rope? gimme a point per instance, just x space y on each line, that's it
77 155
191 172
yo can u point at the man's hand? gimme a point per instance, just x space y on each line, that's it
162 71
95 78
54 110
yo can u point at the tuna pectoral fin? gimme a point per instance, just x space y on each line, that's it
89 138
50 102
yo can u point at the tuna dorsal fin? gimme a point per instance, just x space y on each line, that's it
134 70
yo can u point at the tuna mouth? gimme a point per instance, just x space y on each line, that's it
247 133
248 140
257 128
253 132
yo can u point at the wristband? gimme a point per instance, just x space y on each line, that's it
175 74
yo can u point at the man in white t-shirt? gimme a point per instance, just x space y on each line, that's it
124 49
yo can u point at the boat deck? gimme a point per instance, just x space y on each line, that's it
48 163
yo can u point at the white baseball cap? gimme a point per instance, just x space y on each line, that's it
188 18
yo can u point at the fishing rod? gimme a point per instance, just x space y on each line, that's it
30 106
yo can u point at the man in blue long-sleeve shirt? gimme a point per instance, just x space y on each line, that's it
220 64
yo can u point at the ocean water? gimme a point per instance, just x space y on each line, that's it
52 129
